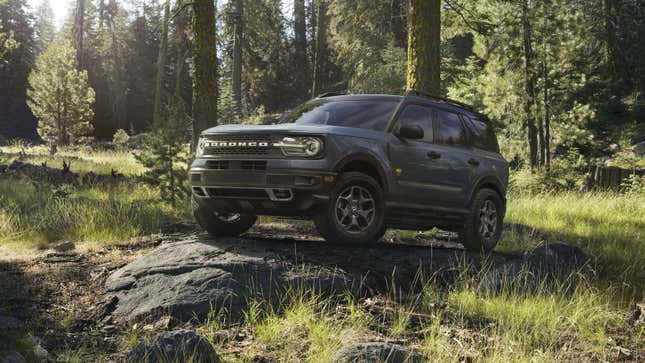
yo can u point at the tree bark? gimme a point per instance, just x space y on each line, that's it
78 31
161 63
205 68
320 47
424 40
300 42
547 120
529 84
117 88
237 55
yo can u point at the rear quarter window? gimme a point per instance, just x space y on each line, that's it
483 135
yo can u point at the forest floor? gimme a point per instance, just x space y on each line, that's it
52 295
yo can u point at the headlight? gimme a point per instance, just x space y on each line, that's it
301 146
201 144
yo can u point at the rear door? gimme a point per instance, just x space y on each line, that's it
453 166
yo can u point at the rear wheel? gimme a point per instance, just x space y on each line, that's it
222 224
355 212
484 223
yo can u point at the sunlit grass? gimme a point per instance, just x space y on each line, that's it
610 227
81 159
33 215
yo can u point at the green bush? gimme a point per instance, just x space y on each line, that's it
120 137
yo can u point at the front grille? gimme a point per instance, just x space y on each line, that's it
244 145
253 165
217 164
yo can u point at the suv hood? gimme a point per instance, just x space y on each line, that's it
291 129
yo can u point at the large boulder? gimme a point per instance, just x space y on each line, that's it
377 352
188 279
174 346
553 265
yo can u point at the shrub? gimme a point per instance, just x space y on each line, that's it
120 137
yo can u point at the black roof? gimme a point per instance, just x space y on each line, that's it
420 97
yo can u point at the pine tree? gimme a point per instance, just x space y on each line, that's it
16 120
60 96
424 41
44 25
164 153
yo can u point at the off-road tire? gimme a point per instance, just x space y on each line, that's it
471 235
326 219
216 226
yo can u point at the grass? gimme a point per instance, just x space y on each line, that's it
610 227
35 213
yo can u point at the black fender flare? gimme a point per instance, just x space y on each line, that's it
368 158
491 182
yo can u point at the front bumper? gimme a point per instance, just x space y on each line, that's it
261 187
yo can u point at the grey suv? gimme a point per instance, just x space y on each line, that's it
356 165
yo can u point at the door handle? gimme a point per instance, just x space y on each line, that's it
434 155
473 162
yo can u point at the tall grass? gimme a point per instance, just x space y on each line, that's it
33 214
608 226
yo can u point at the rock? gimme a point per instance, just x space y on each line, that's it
64 247
187 278
552 264
175 346
377 353
179 227
639 149
12 357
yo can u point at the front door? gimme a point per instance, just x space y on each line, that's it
411 159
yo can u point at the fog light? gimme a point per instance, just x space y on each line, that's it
328 178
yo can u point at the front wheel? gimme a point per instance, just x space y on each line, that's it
222 224
484 223
355 213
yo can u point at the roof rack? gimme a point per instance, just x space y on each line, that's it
330 94
418 93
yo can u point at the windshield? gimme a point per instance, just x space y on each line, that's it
372 115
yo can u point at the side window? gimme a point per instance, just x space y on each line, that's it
451 131
422 116
483 135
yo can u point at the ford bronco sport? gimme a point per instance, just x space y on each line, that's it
356 165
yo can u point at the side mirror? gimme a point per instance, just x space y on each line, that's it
411 131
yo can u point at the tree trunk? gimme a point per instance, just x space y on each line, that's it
78 31
237 55
529 84
117 88
205 68
300 58
161 63
609 10
424 40
547 121
320 47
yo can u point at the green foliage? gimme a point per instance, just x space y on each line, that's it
60 96
120 137
7 44
385 76
165 153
